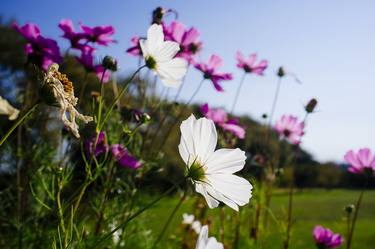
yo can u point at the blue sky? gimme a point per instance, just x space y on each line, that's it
330 45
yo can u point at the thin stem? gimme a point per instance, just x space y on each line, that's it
119 96
136 214
238 92
276 97
355 216
18 123
165 138
181 86
170 218
237 233
85 81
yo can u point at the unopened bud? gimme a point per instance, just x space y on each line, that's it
349 208
109 63
311 105
264 116
145 118
279 172
281 72
157 15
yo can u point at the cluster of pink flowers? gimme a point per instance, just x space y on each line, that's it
39 50
84 41
220 118
119 152
362 161
290 128
325 238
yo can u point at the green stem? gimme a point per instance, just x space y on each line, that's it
170 218
238 92
355 216
136 214
18 122
119 96
166 136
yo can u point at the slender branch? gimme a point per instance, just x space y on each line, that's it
18 122
170 218
355 216
238 92
136 214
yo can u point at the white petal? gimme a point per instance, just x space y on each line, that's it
226 161
198 139
144 49
202 239
211 202
166 51
172 72
155 38
212 243
232 187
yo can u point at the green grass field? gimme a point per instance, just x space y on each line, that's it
311 207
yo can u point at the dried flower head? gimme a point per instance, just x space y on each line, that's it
63 92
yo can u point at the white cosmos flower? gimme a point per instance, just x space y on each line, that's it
212 171
196 226
187 219
207 243
159 55
7 109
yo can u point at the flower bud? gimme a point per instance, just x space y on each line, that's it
157 15
109 63
281 72
264 116
146 118
349 208
311 105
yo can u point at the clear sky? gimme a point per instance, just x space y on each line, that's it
330 45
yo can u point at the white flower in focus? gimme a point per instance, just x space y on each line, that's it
187 219
63 92
158 55
196 226
8 109
207 243
212 171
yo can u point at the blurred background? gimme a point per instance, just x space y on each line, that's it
329 45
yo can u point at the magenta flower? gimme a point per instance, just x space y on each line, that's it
87 61
187 39
249 65
220 117
136 48
39 50
99 34
124 158
209 71
66 25
290 128
325 238
360 162
101 145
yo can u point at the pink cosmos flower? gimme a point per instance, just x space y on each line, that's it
39 50
98 34
101 145
87 61
123 157
325 238
290 128
187 39
360 162
209 71
66 25
220 117
136 48
249 65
